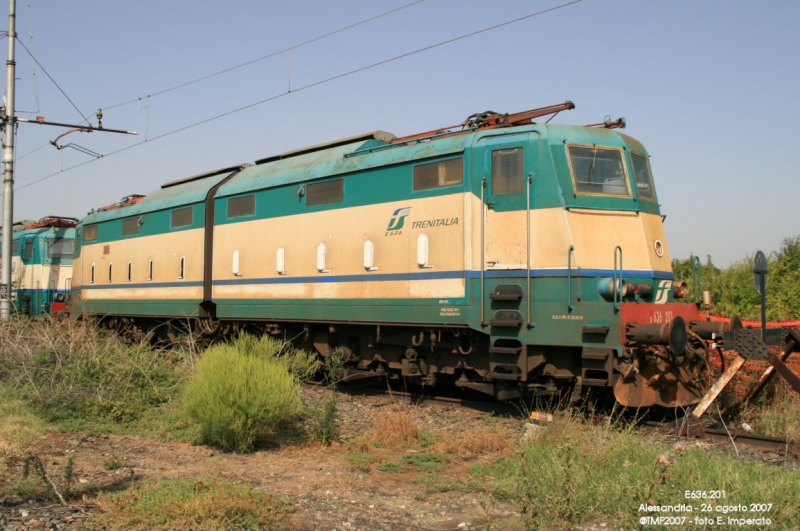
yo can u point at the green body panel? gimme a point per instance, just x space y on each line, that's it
172 308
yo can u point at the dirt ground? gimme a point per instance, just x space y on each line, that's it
328 492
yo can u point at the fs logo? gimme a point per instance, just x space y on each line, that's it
399 218
662 292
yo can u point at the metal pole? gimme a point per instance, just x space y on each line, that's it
8 166
762 279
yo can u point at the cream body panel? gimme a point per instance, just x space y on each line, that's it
188 292
594 234
166 250
343 232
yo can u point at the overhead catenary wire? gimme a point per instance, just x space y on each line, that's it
35 80
83 117
308 86
262 58
209 76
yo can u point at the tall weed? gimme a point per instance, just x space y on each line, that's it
74 371
243 389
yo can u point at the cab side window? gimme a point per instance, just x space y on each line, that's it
507 171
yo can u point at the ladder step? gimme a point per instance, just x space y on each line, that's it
505 350
595 382
589 353
503 376
506 292
506 318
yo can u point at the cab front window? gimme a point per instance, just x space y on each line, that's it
598 171
60 248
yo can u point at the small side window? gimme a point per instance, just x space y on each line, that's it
641 172
438 174
90 233
325 193
15 247
241 206
181 217
131 226
507 171
28 249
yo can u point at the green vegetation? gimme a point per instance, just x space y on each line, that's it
732 289
200 505
362 461
574 471
80 376
324 420
19 426
243 389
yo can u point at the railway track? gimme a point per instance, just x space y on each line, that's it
764 443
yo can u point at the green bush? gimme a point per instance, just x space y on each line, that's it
243 389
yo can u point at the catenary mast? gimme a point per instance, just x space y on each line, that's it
9 122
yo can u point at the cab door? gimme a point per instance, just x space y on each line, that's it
508 163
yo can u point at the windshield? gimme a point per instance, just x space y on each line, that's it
641 174
597 170
60 247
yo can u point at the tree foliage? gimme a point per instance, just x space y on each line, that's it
733 290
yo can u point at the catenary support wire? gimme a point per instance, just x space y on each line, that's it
308 86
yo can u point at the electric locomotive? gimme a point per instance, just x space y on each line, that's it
41 264
502 256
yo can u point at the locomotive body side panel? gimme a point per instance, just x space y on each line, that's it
379 206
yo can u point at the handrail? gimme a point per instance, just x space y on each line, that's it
528 252
483 245
581 207
569 278
697 270
617 277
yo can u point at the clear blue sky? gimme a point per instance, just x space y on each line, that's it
711 88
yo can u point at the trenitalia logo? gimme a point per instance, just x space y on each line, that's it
662 293
399 218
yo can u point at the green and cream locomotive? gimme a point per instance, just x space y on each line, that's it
503 256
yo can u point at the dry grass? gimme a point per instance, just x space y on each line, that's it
778 418
476 443
395 430
198 505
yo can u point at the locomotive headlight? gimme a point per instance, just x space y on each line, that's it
606 288
645 290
